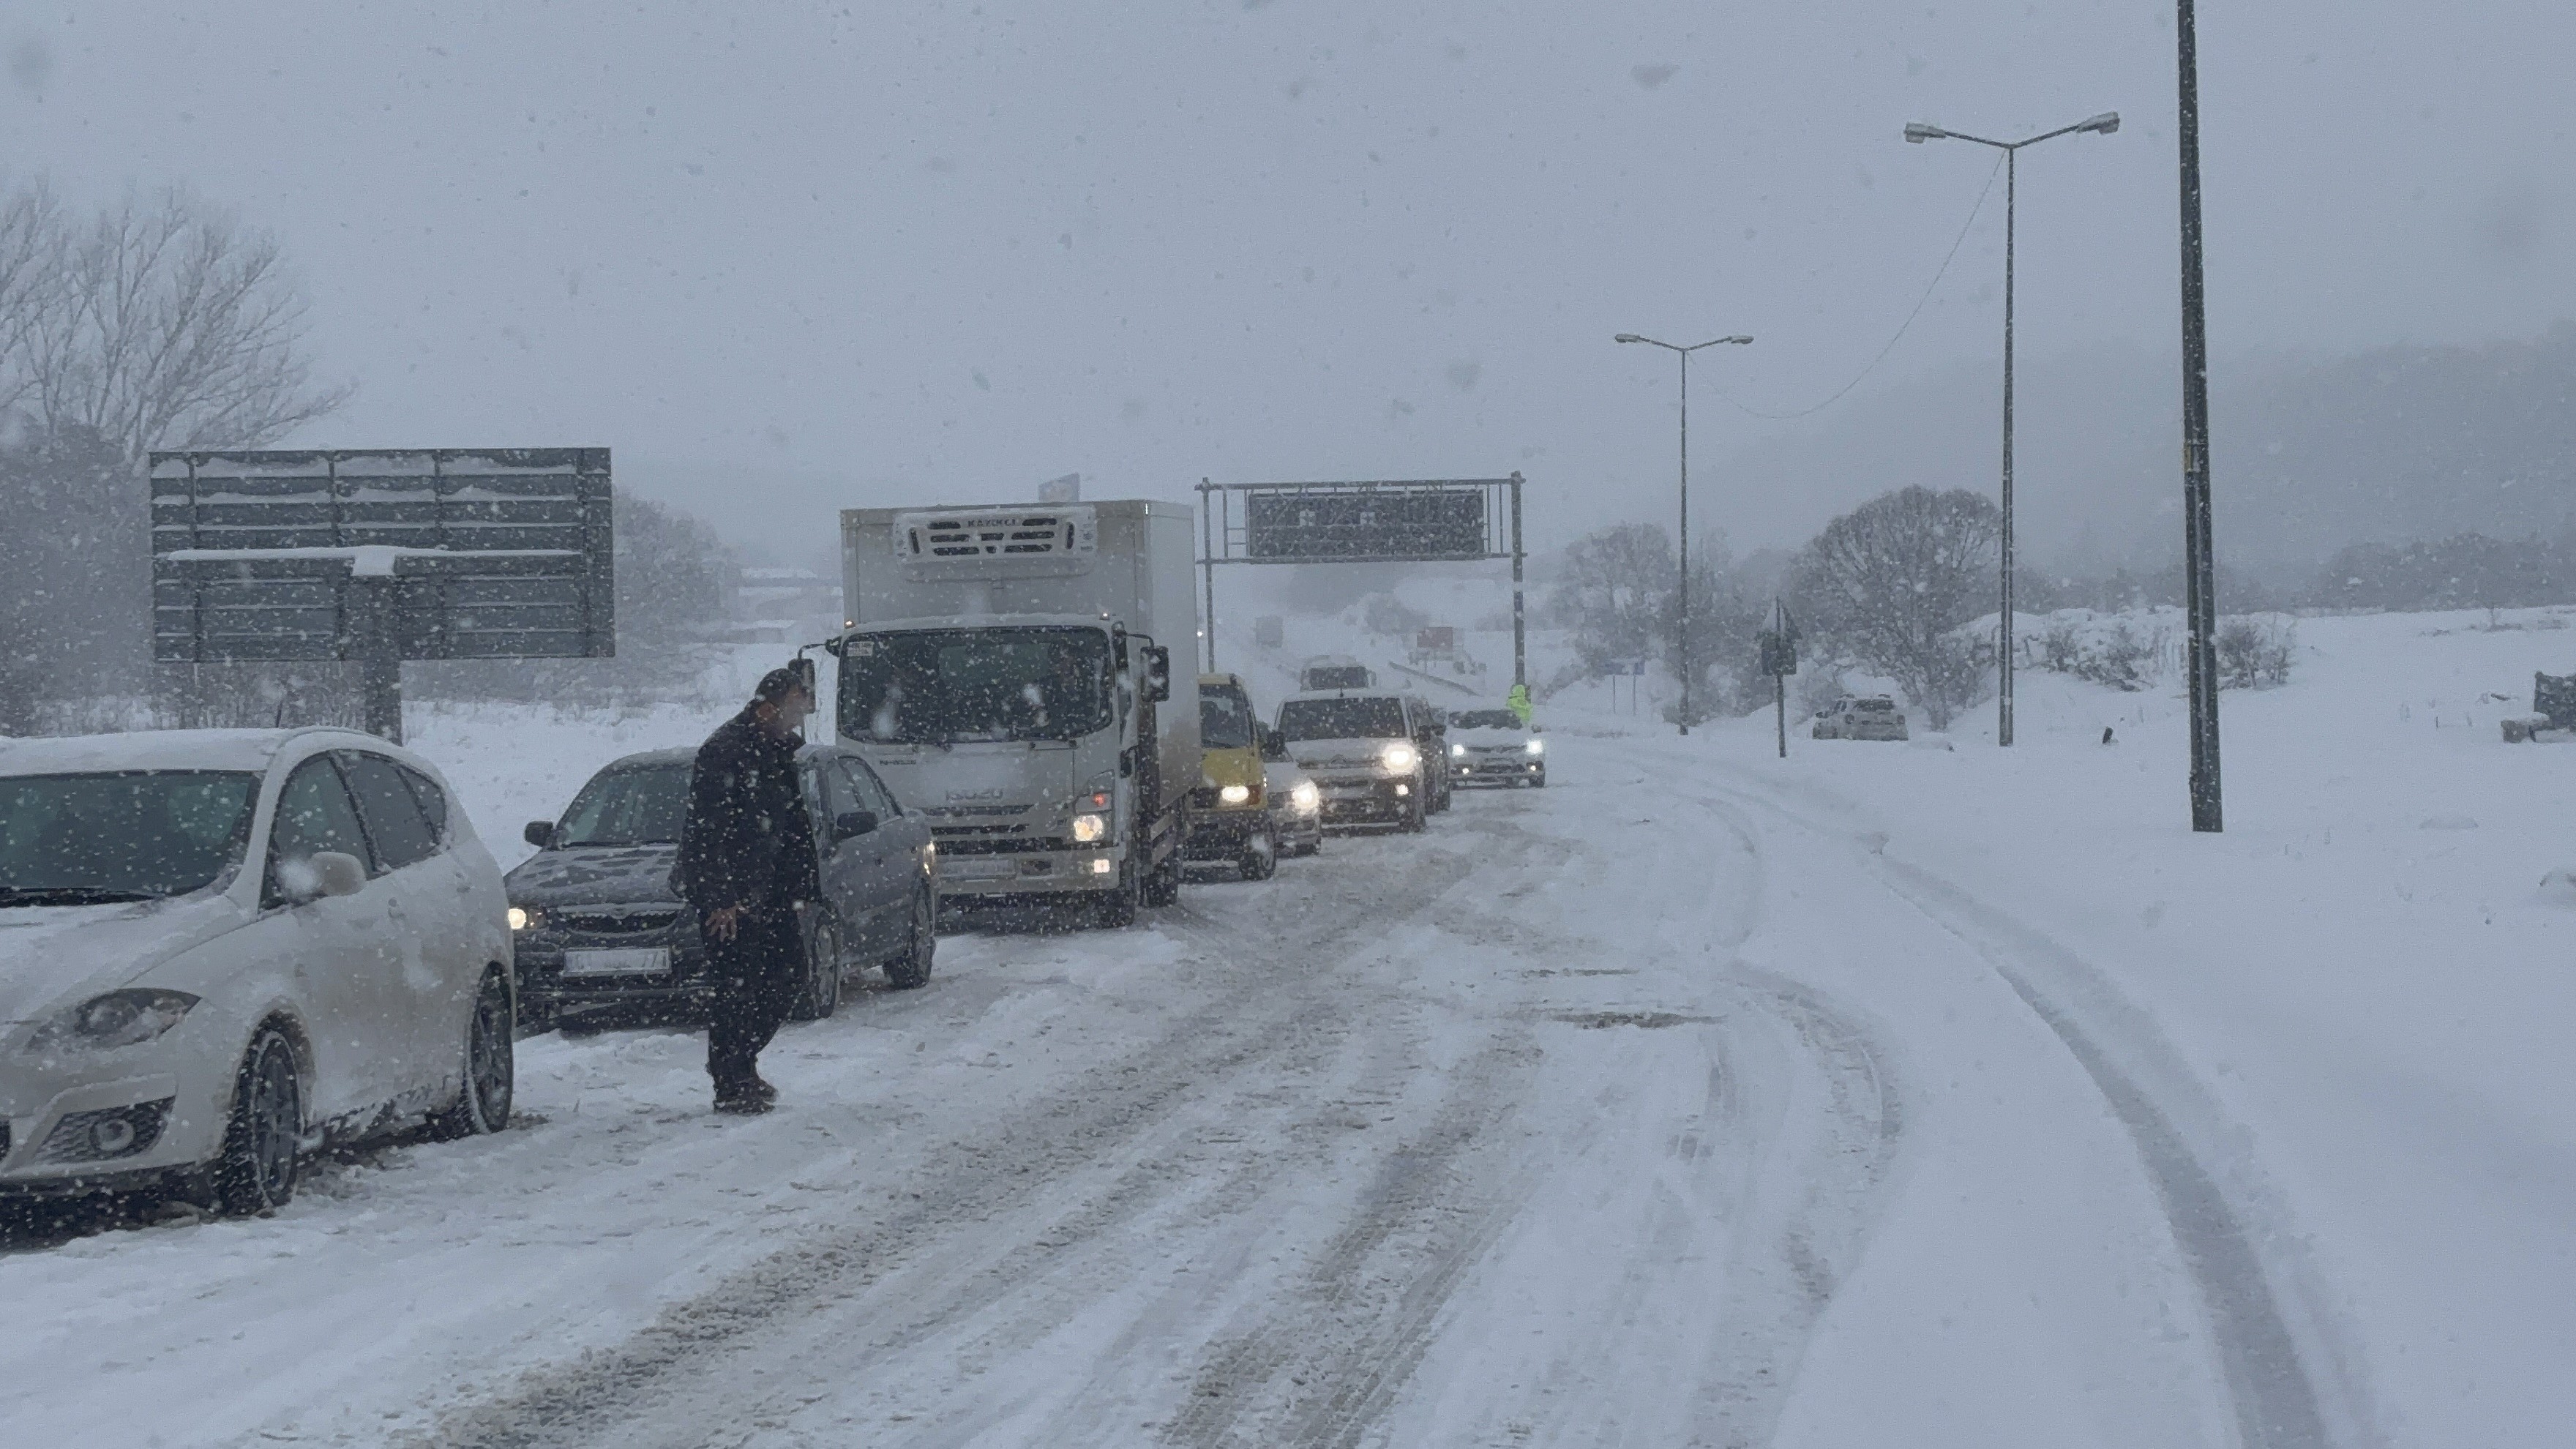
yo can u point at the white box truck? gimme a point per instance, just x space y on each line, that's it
1008 671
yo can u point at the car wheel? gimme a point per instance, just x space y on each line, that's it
260 1162
911 970
1163 882
1116 910
491 1066
821 995
1260 857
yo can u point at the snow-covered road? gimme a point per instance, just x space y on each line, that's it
1660 1107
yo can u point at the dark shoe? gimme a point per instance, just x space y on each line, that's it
741 1101
760 1088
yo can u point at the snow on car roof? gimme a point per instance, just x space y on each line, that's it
157 750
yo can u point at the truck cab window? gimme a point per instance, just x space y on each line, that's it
950 686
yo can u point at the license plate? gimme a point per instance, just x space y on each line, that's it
630 961
963 870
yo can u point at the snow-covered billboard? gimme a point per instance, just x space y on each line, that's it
466 553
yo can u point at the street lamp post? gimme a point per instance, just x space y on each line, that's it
1682 637
1917 132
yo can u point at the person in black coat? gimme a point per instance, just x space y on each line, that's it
746 861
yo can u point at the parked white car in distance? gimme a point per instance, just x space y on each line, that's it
221 949
1860 717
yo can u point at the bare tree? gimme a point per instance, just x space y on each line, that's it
31 246
1888 584
1613 590
168 326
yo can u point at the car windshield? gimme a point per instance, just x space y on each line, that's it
948 685
129 835
1342 719
632 805
1225 720
1485 719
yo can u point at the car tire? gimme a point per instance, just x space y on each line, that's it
491 1066
1260 859
1163 882
263 1141
910 970
820 996
1116 910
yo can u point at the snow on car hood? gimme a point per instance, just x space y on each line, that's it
50 952
594 875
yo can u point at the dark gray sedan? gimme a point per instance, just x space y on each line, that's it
598 927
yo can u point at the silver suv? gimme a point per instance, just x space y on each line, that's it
1362 747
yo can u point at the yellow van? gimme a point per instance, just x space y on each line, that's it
1230 810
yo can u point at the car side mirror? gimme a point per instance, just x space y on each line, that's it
1158 673
853 822
540 833
323 873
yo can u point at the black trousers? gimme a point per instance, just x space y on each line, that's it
756 976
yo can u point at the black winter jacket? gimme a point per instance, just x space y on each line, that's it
747 840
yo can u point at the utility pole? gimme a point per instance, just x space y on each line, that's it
2200 572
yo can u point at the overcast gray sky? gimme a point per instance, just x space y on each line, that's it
823 255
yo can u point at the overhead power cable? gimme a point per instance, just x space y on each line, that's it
1901 327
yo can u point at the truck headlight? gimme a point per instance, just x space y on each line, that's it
1398 759
1089 828
1536 747
118 1019
1306 798
1234 794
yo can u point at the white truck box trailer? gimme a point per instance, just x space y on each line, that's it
1007 670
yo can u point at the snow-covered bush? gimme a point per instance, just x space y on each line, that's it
2255 652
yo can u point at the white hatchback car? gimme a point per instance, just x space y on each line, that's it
221 949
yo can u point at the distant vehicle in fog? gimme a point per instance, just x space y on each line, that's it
1860 717
223 949
1493 747
600 927
1335 671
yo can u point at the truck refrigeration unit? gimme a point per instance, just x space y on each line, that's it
1008 671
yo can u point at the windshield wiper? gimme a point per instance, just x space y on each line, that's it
70 896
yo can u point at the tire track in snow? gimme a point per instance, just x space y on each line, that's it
2266 1342
665 1383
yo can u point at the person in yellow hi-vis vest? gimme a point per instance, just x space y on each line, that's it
1519 702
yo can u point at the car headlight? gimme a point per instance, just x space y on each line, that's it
1234 794
1397 759
1306 798
1457 752
1089 828
524 919
118 1019
1536 747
